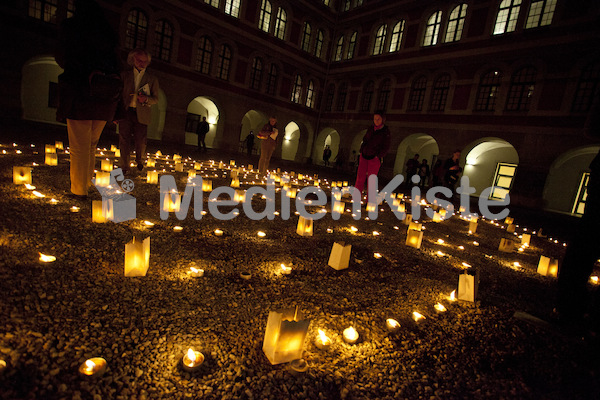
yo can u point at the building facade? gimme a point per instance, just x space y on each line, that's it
509 83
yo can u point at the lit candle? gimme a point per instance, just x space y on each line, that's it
375 233
261 234
350 335
286 270
177 228
329 230
594 279
452 296
93 367
322 341
439 307
192 360
74 209
47 258
196 272
441 254
354 229
148 224
392 325
53 201
38 194
417 316
377 255
218 232
440 241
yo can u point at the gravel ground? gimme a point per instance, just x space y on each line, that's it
56 315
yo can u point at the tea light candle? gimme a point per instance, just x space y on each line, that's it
192 360
74 209
93 367
350 335
329 230
439 307
392 325
196 272
417 316
47 258
299 366
377 255
177 228
452 296
148 224
286 270
38 194
218 232
245 275
354 229
261 234
322 341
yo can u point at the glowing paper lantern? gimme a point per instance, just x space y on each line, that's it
21 175
59 145
509 220
197 165
117 153
414 238
437 217
415 226
151 163
371 207
51 159
239 196
119 208
548 266
50 149
305 226
152 177
285 335
137 257
506 245
102 179
510 228
178 167
473 226
338 207
467 286
340 256
176 157
407 219
526 239
172 202
206 185
98 212
106 165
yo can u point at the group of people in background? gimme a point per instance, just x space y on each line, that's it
445 173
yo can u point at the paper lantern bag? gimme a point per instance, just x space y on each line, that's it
340 256
467 286
285 335
119 208
305 226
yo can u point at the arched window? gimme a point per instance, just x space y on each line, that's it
432 30
417 94
204 57
329 97
588 85
214 3
488 91
310 95
379 40
163 40
521 89
351 46
396 39
44 10
256 74
341 99
456 23
232 7
306 35
224 62
367 98
384 94
346 5
137 28
264 19
319 44
280 24
439 95
272 80
297 89
339 48
540 13
508 13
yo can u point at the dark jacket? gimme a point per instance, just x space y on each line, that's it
376 143
85 45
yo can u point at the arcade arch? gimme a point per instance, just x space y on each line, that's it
200 107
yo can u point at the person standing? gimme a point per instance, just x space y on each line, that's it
424 172
89 88
375 146
326 155
249 143
140 92
452 170
412 167
201 130
268 135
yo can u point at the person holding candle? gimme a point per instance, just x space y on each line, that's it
268 135
88 89
375 145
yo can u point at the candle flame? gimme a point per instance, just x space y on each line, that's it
149 224
29 186
440 307
354 229
261 234
322 337
177 228
392 323
453 295
441 254
440 241
418 316
46 258
377 255
461 247
38 194
53 201
191 355
350 333
594 279
464 264
89 366
375 233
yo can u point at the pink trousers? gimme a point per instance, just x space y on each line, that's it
366 168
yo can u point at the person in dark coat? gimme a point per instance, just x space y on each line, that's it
87 51
201 131
375 145
249 143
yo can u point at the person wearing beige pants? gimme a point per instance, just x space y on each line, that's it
83 139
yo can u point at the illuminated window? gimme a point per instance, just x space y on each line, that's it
264 19
204 57
280 24
521 89
232 7
214 3
540 13
297 89
339 47
456 23
351 46
508 13
310 94
417 94
272 80
306 35
396 39
379 40
384 94
488 91
329 98
163 40
44 10
137 28
439 95
224 62
579 205
346 5
326 2
70 8
367 98
503 180
432 30
319 44
341 99
359 3
256 74
586 87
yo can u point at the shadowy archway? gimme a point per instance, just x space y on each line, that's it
39 89
418 143
291 138
201 107
327 137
